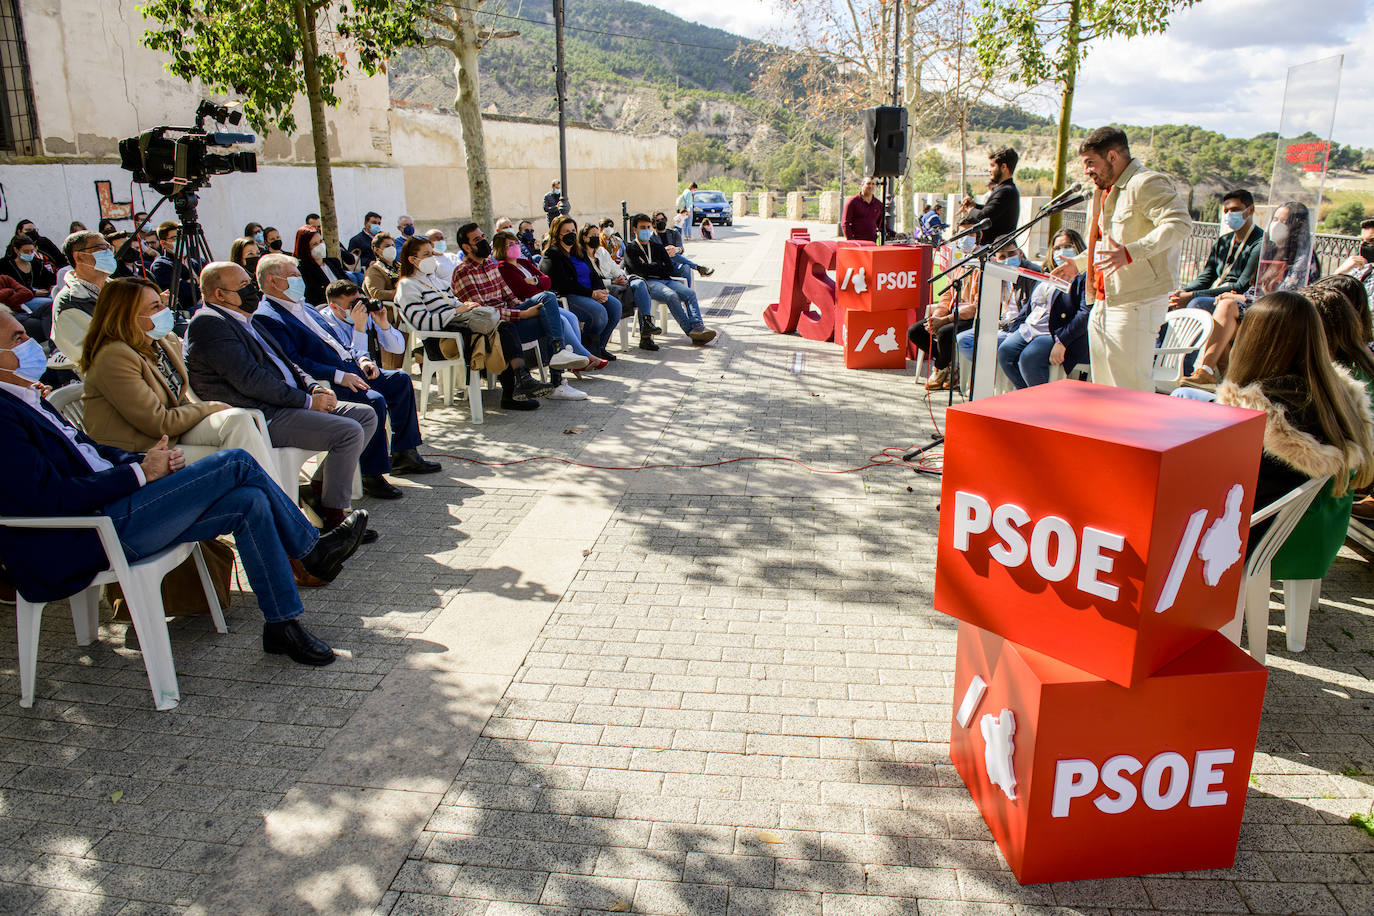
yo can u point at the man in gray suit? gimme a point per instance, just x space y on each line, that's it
228 361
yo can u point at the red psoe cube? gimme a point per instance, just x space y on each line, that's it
1080 778
883 279
1103 527
874 340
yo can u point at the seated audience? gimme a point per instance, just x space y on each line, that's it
187 295
578 283
1345 332
1016 297
255 232
1230 272
529 245
229 360
245 253
316 269
17 297
611 240
1358 297
933 224
631 291
30 282
432 306
26 229
271 238
671 237
503 224
646 258
379 282
105 227
360 246
154 500
1317 425
310 342
448 260
93 261
1286 249
137 390
405 228
529 285
936 335
357 327
1360 265
1052 329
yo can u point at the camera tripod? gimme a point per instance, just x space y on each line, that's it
191 247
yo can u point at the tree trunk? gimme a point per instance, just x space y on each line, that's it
319 127
468 105
1070 71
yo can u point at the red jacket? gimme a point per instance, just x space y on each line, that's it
13 293
520 284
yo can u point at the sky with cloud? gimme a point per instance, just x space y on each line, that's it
1222 64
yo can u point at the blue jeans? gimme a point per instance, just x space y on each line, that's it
1026 362
681 301
550 317
1193 394
600 319
391 394
37 321
225 493
634 293
963 342
684 265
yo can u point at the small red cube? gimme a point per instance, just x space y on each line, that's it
885 278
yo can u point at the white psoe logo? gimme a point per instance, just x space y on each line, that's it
998 748
854 279
1219 549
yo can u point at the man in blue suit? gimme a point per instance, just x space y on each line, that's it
310 342
154 500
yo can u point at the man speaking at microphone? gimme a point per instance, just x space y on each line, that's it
1138 222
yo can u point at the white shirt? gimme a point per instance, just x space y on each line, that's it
247 322
606 265
1037 321
312 320
391 339
448 263
97 462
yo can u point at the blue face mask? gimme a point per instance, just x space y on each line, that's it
1234 220
162 324
26 258
1064 255
105 261
644 234
1013 261
33 362
374 228
295 289
257 237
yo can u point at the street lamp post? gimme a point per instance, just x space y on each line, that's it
561 90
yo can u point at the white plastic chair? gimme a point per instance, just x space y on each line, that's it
142 585
442 370
1252 604
67 401
1185 332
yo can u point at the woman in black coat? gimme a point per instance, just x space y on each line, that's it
577 281
317 270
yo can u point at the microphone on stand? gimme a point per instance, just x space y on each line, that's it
1063 196
1073 201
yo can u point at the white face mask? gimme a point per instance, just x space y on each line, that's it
1278 232
318 252
428 265
388 255
440 246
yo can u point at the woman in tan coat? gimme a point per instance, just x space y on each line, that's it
136 387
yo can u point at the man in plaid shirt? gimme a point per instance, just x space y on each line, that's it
478 279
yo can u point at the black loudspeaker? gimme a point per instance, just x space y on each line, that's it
885 149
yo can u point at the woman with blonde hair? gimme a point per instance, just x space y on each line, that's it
136 387
1317 424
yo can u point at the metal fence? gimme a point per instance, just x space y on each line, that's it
1329 250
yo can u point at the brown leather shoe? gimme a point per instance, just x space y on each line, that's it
1363 508
303 578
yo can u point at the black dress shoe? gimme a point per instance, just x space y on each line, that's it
378 486
513 404
370 536
290 638
335 546
410 462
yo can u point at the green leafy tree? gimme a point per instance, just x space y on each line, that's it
1048 39
1345 219
266 53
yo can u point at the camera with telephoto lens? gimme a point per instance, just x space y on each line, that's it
372 305
178 159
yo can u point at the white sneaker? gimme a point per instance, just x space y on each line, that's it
566 392
567 359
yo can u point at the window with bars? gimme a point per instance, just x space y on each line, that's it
18 124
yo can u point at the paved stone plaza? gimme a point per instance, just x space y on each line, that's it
669 691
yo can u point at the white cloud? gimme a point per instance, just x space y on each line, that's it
1222 63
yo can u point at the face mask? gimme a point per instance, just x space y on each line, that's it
162 324
1013 261
257 237
33 362
275 244
593 241
374 228
105 261
1234 219
440 246
660 224
1064 255
481 250
295 289
644 234
33 234
408 231
568 238
318 252
249 297
1278 232
527 236
389 255
251 265
428 265
964 244
26 258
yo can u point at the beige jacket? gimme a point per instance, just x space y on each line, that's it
1144 212
128 403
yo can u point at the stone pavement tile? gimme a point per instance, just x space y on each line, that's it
731 870
820 875
910 881
640 864
1355 898
409 904
965 908
748 901
838 904
1194 895
662 898
999 887
1108 892
588 892
1288 897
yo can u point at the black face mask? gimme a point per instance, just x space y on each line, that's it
33 234
568 238
251 265
660 225
249 297
275 244
482 249
593 241
527 236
